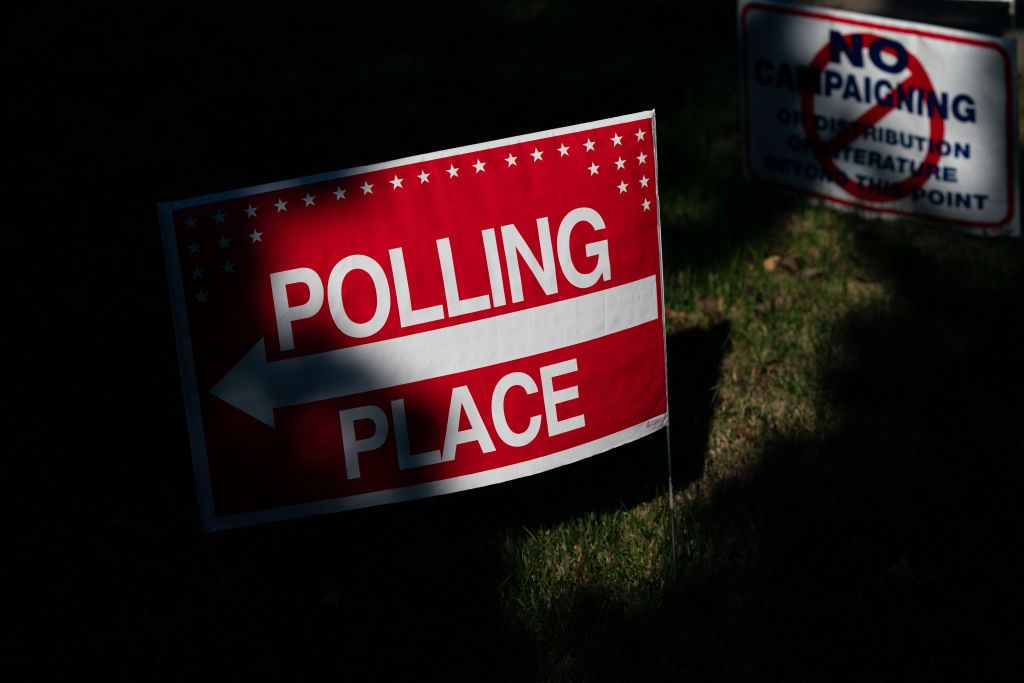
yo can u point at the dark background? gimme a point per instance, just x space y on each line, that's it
110 112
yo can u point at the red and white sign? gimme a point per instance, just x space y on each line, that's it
889 117
421 326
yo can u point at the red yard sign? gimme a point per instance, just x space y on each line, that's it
421 326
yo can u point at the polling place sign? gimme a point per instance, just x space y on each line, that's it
888 117
421 326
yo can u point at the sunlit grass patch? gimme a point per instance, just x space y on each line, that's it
787 299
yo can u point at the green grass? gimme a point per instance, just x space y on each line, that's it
817 430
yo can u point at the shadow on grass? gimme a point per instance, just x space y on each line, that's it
424 579
395 590
889 545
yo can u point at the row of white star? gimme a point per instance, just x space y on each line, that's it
227 267
368 189
195 247
257 236
396 183
452 171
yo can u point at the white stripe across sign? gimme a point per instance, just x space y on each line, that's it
258 386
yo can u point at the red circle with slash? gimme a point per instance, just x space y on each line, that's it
825 151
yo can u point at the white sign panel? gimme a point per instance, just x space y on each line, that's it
888 117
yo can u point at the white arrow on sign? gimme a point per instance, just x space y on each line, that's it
257 386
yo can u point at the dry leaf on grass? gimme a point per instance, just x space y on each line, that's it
791 263
709 305
782 303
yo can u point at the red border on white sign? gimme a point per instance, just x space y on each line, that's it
847 18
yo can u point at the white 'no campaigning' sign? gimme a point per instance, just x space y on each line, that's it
889 117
